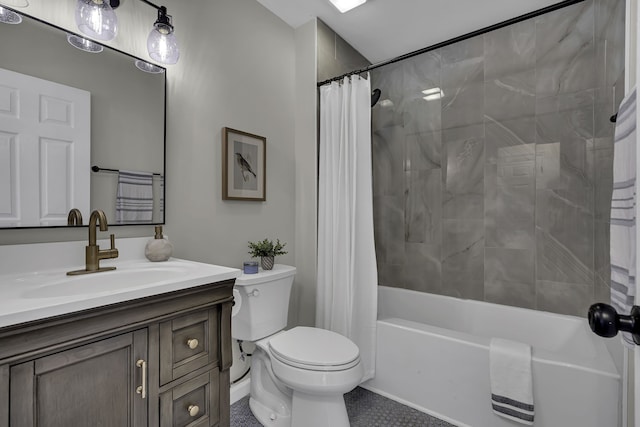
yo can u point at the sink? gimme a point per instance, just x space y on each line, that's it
129 276
34 283
108 281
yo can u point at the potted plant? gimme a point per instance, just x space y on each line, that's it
266 250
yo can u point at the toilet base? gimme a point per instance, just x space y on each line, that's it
267 416
318 410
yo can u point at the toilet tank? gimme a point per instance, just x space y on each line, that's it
263 303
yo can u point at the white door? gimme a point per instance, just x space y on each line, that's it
45 134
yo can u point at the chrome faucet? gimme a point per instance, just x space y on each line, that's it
75 217
93 254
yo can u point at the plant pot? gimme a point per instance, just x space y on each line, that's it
267 262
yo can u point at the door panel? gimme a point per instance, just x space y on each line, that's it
45 131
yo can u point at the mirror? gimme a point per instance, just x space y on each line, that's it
127 130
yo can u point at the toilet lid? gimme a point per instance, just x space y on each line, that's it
314 349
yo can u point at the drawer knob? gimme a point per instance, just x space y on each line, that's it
192 343
193 410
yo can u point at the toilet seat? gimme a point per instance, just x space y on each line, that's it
314 349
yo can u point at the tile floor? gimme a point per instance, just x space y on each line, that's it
365 409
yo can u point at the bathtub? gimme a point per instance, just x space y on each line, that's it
433 355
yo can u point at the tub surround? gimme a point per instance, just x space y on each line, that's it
500 190
34 284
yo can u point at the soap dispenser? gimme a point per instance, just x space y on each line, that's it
158 248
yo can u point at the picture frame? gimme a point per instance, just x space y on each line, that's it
244 166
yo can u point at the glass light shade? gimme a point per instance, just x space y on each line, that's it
96 19
84 44
8 16
163 47
148 67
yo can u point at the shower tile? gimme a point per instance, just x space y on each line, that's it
463 150
510 199
463 51
388 219
423 207
510 96
602 259
565 50
423 151
510 293
564 132
390 275
602 293
423 271
462 83
462 105
388 161
610 41
507 133
509 265
603 165
463 258
564 298
509 50
564 239
422 116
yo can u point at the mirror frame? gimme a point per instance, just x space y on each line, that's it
164 131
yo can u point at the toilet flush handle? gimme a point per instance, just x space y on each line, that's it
254 293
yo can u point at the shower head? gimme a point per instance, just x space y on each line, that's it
375 96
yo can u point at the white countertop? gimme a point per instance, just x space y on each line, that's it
28 293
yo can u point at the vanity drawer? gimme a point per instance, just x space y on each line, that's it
188 343
193 403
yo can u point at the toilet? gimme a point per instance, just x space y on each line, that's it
299 376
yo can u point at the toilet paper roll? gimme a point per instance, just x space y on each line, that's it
238 302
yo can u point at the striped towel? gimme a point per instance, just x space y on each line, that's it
134 201
623 211
511 380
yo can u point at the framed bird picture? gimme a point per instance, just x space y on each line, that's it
244 162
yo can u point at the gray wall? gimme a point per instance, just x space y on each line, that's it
335 55
500 190
245 82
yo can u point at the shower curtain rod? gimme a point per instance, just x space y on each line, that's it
511 21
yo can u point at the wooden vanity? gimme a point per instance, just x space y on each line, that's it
161 360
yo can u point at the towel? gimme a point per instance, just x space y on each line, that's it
623 211
511 381
134 201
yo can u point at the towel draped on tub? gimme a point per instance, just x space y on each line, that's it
511 380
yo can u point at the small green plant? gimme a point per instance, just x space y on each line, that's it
266 248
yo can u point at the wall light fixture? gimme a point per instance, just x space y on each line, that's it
98 20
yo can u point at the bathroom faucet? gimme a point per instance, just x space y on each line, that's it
93 254
75 217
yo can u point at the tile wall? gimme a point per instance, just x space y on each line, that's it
500 189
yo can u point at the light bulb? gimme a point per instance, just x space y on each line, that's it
96 19
163 46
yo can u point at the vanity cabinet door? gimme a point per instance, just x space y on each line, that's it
90 385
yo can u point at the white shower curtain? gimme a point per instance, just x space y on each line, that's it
347 295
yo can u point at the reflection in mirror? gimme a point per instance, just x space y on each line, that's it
115 122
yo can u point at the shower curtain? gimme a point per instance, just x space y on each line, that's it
347 293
